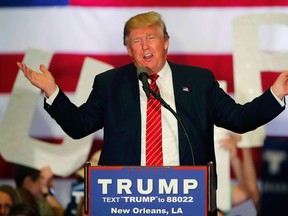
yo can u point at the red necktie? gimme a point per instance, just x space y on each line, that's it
154 155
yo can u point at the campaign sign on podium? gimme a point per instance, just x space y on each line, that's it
180 190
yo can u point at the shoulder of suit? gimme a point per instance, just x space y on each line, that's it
189 69
118 70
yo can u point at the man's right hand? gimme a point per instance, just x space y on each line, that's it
44 81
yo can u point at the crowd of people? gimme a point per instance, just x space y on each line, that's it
32 194
242 164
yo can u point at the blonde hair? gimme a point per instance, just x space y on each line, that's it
151 18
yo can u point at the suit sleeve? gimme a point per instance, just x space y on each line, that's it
247 117
77 122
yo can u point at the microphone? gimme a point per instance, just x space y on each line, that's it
143 76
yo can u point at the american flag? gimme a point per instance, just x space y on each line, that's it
200 34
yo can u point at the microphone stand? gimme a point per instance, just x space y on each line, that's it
167 106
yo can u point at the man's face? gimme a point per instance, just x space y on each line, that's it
148 47
5 203
34 186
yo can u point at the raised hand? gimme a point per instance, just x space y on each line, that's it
280 86
44 81
46 176
230 144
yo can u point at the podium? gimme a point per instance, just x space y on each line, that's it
140 190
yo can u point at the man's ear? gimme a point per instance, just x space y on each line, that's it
128 50
166 44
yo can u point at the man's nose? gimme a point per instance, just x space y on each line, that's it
144 45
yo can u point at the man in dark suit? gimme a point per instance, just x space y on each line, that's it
118 104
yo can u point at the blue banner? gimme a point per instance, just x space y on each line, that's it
148 191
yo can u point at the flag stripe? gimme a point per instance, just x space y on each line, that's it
141 3
66 67
91 30
181 3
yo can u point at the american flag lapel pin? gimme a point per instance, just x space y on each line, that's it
185 89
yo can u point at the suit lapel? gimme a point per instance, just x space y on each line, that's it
131 90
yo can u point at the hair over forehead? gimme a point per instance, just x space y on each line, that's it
144 20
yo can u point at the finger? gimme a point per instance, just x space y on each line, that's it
23 68
51 184
19 65
43 68
26 71
223 140
223 146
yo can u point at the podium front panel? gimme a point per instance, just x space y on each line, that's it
180 190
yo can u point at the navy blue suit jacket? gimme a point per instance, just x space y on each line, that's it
114 104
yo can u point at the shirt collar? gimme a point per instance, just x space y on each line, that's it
165 72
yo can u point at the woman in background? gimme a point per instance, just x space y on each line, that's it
8 198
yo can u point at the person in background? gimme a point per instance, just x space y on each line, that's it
244 170
80 208
72 206
118 104
24 209
220 212
39 184
94 160
8 198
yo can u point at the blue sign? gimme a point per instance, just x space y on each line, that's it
77 193
274 196
147 190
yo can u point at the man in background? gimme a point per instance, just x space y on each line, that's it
35 186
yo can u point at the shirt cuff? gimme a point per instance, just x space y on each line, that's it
51 99
281 102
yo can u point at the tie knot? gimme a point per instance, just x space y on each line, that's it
153 77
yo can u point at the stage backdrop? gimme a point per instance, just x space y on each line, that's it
201 33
